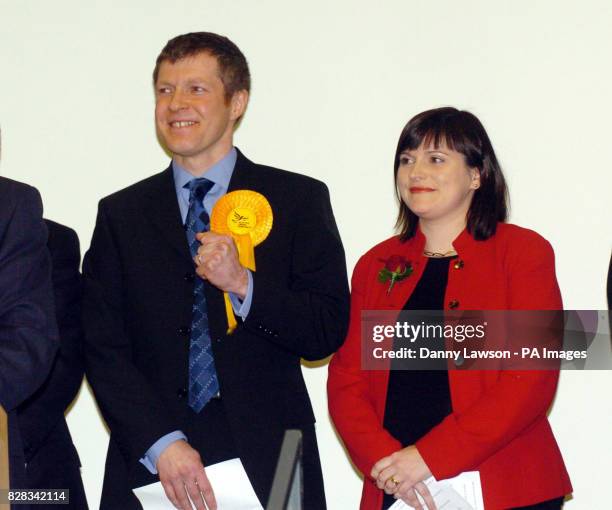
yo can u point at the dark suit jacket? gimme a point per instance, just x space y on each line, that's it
46 438
28 334
138 299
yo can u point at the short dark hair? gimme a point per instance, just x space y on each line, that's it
461 131
233 66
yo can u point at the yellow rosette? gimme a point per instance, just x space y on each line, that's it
246 216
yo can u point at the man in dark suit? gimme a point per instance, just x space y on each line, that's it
176 390
28 334
51 459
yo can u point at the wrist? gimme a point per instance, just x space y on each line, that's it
242 284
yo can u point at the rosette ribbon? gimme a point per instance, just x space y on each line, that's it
246 216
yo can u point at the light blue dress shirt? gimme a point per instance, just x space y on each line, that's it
220 173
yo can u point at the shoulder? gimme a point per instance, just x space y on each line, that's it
61 237
21 224
13 191
528 263
20 204
387 247
59 231
380 251
293 183
131 195
288 180
7 184
520 241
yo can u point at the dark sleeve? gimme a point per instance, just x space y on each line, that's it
135 413
309 315
41 412
28 334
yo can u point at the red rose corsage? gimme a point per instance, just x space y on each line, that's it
396 269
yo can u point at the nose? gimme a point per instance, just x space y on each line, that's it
177 101
417 170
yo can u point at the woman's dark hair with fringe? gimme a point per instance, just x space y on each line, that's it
460 131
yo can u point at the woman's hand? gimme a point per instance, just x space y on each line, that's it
409 496
402 474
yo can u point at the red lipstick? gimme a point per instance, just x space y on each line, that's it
418 189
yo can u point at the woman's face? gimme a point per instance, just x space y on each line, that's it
435 183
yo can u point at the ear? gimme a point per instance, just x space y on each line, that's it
238 104
475 184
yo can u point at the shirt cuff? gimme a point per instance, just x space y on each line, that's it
241 308
152 456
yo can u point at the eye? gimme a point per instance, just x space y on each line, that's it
163 90
437 160
405 160
198 89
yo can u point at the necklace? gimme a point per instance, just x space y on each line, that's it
437 255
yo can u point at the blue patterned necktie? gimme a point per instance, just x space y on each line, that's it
203 382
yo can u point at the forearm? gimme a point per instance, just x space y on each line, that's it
356 420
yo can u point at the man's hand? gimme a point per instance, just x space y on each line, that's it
181 472
401 474
217 261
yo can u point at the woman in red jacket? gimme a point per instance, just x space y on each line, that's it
403 426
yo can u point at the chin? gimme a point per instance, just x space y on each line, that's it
422 213
419 211
179 148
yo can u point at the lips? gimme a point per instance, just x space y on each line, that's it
417 189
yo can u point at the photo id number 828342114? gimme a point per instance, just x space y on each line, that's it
34 496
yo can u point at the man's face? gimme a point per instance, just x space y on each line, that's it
192 117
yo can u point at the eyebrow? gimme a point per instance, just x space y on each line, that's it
197 81
190 82
428 151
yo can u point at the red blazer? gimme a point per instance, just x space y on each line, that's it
498 425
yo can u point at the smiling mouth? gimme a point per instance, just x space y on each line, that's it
421 190
182 123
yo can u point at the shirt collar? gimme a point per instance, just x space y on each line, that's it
220 173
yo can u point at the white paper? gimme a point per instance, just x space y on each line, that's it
230 483
463 492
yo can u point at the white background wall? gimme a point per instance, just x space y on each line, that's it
333 84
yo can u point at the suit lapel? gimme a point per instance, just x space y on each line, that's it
163 212
242 177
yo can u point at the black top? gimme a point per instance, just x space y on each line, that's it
417 400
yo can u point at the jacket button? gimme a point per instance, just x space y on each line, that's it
189 277
181 393
185 330
458 264
453 304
